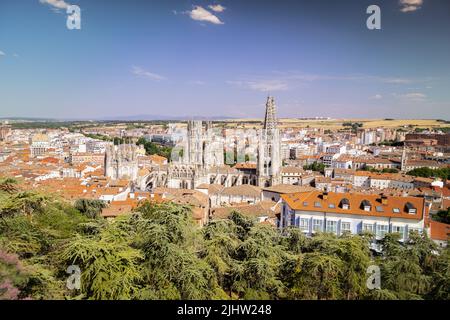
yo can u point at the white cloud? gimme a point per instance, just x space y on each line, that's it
138 71
59 4
201 14
217 7
282 81
410 5
413 96
376 97
2 53
262 85
396 80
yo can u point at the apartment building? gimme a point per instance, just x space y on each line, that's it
337 213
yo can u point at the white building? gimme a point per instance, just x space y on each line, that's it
352 212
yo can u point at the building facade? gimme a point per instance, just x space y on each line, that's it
201 158
338 213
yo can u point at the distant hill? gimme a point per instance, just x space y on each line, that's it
142 117
148 117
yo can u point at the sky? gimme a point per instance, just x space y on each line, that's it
217 58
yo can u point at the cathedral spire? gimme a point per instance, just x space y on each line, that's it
270 120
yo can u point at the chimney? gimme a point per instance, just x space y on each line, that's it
325 195
384 199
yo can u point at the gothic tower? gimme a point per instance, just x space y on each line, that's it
269 148
195 143
270 120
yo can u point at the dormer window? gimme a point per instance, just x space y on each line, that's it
409 207
365 205
345 204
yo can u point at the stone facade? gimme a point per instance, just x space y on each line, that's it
200 159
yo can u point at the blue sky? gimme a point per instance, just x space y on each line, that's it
195 58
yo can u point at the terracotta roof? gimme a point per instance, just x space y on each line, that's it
439 230
158 159
245 165
314 201
244 189
292 169
344 171
116 210
49 160
288 188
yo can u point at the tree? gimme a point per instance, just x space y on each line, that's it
320 167
153 148
90 207
443 216
23 202
425 172
158 252
170 241
318 277
441 277
12 276
8 185
110 268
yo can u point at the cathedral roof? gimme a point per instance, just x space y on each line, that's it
288 188
242 190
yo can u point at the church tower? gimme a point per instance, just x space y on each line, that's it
269 148
270 120
195 143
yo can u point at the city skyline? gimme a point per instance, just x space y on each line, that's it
221 58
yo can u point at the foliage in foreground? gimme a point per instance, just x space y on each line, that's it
159 253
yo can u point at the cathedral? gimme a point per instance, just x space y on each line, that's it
203 157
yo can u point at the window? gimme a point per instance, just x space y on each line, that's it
345 204
410 208
382 229
345 226
379 209
368 227
410 229
317 225
317 204
331 206
331 226
305 204
400 230
365 205
396 210
294 220
304 224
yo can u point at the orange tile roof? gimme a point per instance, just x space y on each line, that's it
158 159
245 165
306 201
439 230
